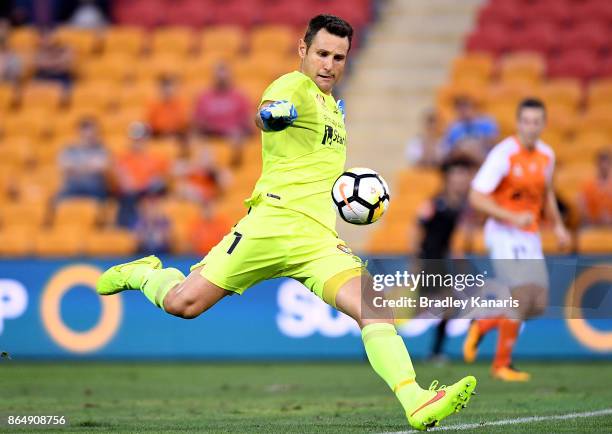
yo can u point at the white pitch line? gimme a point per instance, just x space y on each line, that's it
520 420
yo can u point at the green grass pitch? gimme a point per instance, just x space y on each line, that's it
287 397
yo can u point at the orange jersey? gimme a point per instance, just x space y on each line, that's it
517 178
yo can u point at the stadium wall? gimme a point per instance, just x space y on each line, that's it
48 310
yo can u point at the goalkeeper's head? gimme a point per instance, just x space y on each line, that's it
324 49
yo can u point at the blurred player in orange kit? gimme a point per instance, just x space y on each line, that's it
513 188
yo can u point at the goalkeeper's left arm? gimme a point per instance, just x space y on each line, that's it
275 115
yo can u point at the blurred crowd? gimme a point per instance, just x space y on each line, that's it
471 134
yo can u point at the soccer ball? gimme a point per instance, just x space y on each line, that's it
361 196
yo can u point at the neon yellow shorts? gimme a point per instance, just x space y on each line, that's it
273 242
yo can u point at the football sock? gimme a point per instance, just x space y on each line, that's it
508 331
485 325
157 283
390 360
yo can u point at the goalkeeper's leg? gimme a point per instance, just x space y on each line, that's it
390 359
167 288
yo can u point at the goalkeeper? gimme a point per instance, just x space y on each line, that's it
290 227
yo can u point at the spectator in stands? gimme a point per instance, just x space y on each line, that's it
88 15
167 115
84 164
425 149
53 61
152 227
596 195
224 111
471 134
197 176
138 172
10 63
207 230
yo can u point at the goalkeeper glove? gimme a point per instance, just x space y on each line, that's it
278 115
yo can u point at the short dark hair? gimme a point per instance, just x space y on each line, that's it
462 162
333 24
530 103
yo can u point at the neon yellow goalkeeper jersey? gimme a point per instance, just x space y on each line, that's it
301 163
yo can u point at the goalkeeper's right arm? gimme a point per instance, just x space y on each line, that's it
275 115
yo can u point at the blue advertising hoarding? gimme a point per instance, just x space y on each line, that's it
48 309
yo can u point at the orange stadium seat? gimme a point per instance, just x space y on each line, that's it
117 67
600 92
31 121
124 39
7 97
162 64
277 39
59 241
98 94
475 66
446 94
17 151
509 94
427 180
522 67
23 39
222 41
110 242
137 94
562 91
178 210
42 95
390 239
16 240
597 119
595 240
175 40
569 178
77 212
83 42
562 118
31 214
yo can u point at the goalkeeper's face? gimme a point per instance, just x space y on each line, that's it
324 60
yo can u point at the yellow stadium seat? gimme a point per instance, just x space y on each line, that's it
42 95
32 214
561 91
228 40
175 40
59 241
505 116
110 242
82 41
124 39
273 38
476 66
600 93
81 212
522 67
595 240
23 39
16 240
38 186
